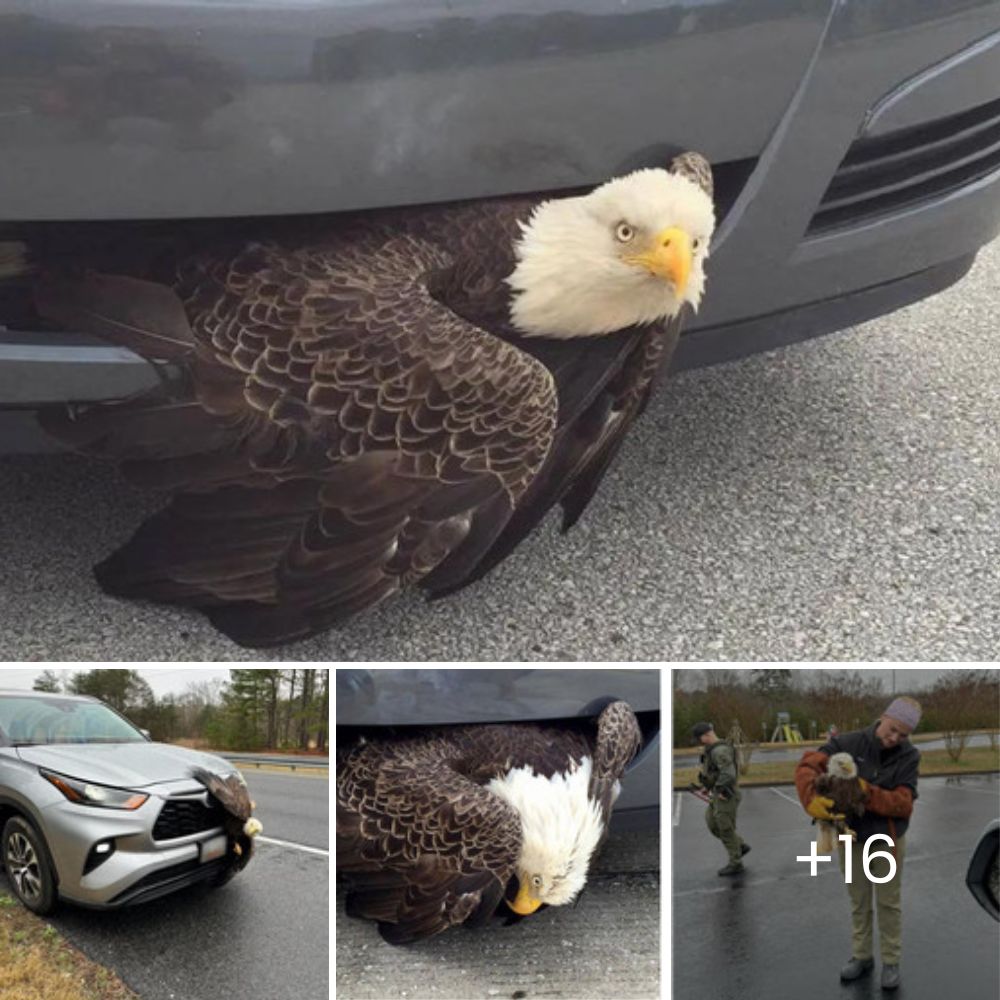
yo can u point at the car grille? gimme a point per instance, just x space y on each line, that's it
182 817
921 163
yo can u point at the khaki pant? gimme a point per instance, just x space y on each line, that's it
721 819
887 896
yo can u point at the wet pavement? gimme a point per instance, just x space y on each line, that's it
775 933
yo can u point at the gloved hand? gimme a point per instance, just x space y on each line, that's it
723 793
819 808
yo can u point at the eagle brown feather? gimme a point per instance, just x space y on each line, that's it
355 413
424 845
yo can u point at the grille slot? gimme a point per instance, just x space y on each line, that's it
183 817
912 165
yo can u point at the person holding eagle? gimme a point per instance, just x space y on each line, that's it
884 781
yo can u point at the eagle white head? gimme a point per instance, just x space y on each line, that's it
631 252
561 826
841 765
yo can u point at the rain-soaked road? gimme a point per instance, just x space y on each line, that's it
776 933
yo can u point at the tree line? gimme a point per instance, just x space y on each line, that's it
265 709
959 702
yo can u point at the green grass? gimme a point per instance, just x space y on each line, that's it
974 760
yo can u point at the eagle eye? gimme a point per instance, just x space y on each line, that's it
624 233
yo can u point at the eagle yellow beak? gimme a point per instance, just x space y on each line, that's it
524 903
669 257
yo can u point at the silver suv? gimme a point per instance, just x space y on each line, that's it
94 812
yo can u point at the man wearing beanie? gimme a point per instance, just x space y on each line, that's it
719 774
887 766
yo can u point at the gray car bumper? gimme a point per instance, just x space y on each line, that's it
139 868
857 146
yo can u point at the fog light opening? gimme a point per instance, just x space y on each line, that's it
98 854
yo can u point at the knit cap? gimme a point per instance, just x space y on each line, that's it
905 710
699 730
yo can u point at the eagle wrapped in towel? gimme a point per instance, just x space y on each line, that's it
232 794
444 828
392 402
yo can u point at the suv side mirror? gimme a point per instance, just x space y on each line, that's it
147 734
983 877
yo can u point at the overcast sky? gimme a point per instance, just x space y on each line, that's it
906 678
168 680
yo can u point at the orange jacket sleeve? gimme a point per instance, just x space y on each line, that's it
810 767
896 802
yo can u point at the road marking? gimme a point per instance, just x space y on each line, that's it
677 807
795 802
295 847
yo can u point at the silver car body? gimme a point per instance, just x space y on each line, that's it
149 859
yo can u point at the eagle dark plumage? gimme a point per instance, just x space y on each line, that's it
231 792
841 784
437 830
395 401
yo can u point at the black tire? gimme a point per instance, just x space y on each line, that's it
26 862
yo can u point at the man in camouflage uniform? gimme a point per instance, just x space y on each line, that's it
719 774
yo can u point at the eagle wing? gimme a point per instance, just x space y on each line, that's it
423 846
618 741
342 434
230 790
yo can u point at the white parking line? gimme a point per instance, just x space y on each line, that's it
677 807
295 847
795 802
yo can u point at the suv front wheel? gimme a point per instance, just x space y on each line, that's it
26 863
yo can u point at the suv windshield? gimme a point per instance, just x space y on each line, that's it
27 721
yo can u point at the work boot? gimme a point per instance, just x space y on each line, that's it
744 849
890 977
856 968
733 868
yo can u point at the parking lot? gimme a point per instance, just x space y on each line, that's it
838 499
775 931
606 947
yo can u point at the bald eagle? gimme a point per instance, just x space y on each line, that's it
395 401
444 828
232 794
841 784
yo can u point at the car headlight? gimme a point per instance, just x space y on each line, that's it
85 793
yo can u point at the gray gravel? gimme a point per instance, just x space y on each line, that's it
607 947
838 499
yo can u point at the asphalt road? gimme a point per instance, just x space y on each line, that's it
838 499
264 935
778 932
607 947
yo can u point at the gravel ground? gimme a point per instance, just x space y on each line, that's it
838 499
605 948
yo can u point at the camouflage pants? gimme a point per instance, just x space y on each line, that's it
721 819
887 896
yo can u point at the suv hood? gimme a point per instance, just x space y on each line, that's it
124 765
